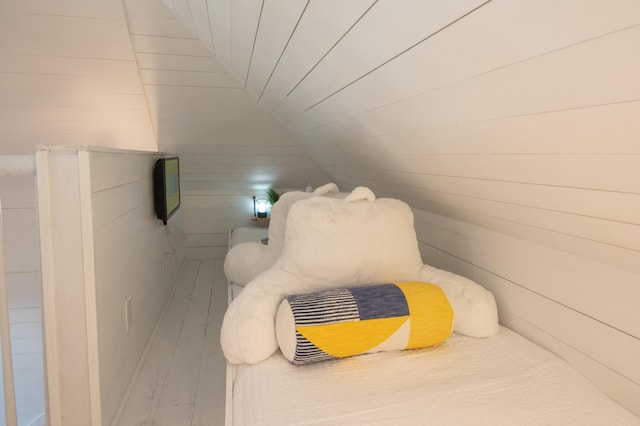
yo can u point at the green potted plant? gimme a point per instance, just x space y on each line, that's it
272 196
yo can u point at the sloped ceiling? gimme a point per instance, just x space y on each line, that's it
516 116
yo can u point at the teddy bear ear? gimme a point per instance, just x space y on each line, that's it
329 188
359 194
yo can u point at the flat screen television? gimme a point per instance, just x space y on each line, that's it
166 187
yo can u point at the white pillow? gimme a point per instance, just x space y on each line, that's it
332 243
245 261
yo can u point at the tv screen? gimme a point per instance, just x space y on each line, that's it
166 187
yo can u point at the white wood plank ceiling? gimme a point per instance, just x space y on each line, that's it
513 115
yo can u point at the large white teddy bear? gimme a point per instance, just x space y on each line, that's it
333 243
246 260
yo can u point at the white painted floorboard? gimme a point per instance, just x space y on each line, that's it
182 380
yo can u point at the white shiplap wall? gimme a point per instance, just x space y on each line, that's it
510 126
68 76
145 272
101 246
230 148
581 310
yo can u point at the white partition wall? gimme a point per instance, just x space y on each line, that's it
108 269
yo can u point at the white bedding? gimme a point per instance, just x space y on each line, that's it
502 380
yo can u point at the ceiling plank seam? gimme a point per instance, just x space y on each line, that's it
284 49
327 53
397 55
253 47
213 42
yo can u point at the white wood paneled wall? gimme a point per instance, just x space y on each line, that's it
586 312
68 76
146 271
230 148
220 181
22 256
101 246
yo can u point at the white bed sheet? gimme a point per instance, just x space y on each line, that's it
503 380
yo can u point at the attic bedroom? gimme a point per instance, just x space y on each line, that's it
509 128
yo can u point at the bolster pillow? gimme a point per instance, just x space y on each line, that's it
338 323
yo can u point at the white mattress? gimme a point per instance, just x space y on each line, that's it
503 380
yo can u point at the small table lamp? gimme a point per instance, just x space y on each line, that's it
261 207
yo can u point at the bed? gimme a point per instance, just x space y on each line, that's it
502 379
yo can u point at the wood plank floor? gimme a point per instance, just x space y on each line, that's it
182 380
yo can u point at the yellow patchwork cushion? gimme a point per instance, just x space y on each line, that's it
338 323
